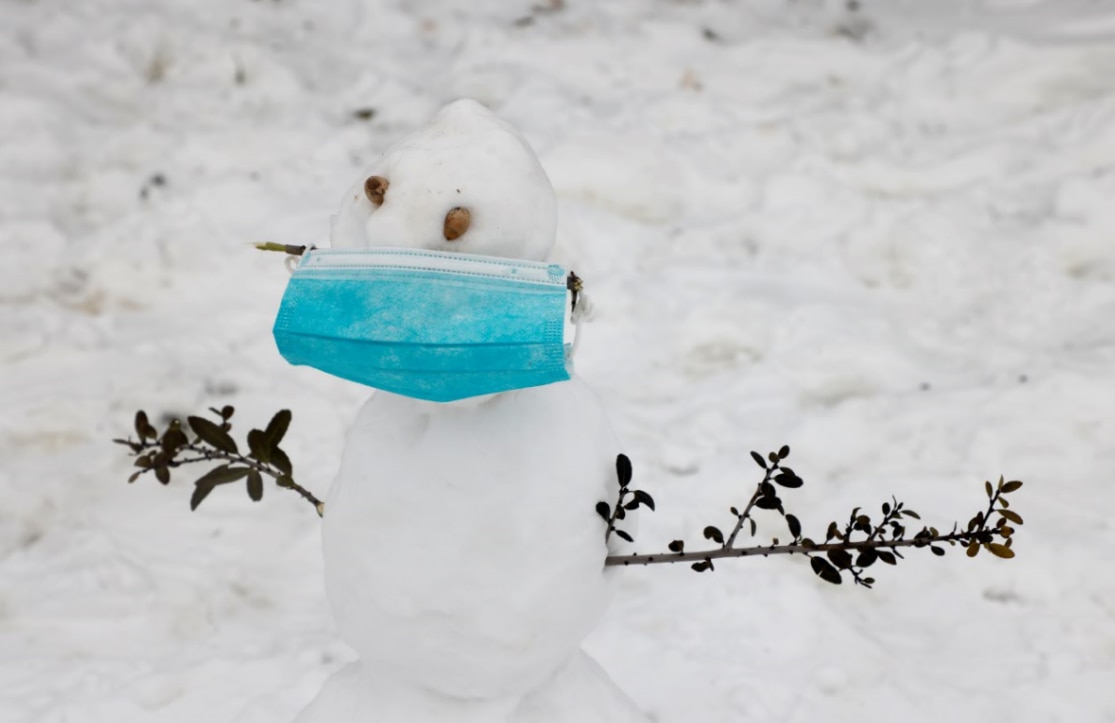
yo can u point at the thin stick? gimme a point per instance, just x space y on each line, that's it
765 550
209 455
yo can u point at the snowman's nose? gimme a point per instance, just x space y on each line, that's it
456 223
375 188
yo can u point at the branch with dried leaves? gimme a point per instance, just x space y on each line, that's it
869 541
211 442
850 548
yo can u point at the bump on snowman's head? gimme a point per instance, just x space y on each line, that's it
467 182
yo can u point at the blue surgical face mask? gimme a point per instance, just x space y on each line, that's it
426 324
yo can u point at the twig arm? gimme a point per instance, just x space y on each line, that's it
159 454
839 552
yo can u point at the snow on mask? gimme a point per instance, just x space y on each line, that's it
426 324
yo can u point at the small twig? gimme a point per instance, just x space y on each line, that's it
616 513
291 249
210 455
746 514
766 550
830 558
160 453
612 514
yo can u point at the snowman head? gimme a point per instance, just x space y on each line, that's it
467 182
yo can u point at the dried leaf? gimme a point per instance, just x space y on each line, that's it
1011 515
1000 550
258 446
214 477
173 440
280 460
840 558
276 428
623 470
824 570
143 427
794 525
789 479
1011 486
866 557
973 548
255 485
212 434
768 503
714 534
222 475
201 491
644 498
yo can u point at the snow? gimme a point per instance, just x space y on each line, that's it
463 560
580 690
466 158
880 237
458 557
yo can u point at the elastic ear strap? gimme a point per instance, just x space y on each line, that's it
294 256
580 314
580 308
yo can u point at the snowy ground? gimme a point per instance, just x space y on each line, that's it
884 237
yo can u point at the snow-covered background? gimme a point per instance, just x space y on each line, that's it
884 236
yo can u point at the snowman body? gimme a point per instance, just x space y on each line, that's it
464 560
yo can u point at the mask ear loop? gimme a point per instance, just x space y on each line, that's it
294 256
580 309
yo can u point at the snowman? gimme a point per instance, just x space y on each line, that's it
464 561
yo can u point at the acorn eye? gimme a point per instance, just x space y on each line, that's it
375 188
456 223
